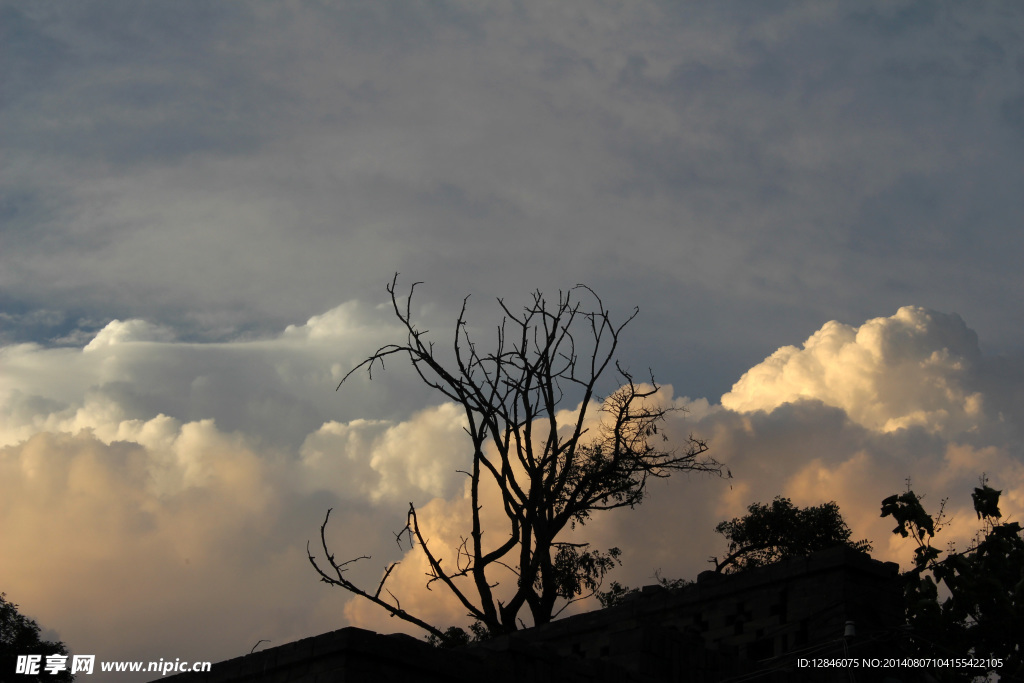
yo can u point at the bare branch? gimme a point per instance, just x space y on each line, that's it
394 609
550 474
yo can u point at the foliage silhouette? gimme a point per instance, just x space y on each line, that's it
764 536
981 614
769 533
19 635
618 593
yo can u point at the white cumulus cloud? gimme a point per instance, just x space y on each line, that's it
118 332
913 368
183 480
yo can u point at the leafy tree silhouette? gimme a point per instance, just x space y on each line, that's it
982 617
19 635
769 533
764 536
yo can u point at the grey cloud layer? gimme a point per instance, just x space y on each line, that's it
240 167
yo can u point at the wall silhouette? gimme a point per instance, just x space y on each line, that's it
758 623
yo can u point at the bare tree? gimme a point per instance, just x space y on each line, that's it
551 473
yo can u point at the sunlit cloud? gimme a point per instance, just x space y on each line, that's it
386 461
187 196
128 470
911 369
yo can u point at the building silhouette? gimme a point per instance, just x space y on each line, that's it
783 622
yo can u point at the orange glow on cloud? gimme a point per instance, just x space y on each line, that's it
121 528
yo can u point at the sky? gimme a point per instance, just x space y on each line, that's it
816 206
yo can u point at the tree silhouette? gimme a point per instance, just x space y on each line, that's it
769 533
19 635
980 616
551 469
764 536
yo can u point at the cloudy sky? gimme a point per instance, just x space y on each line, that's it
816 205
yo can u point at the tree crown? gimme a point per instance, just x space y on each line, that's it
981 613
20 635
769 533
